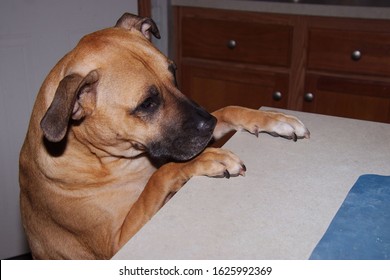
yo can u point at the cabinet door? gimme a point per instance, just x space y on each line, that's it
214 87
351 98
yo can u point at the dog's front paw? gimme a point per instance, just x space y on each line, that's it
215 162
287 126
277 124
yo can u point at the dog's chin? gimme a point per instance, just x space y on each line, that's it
179 150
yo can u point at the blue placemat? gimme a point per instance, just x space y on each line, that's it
361 228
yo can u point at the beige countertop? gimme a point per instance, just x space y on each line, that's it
371 9
281 208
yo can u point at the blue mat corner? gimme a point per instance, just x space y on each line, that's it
360 229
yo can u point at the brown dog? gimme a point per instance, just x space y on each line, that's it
106 117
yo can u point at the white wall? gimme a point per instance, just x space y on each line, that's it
34 35
160 14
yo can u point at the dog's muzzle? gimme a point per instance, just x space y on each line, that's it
186 137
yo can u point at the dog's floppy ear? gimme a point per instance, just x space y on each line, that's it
74 98
145 25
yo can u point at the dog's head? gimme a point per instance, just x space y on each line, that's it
118 96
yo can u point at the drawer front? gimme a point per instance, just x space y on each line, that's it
347 97
238 41
349 51
214 88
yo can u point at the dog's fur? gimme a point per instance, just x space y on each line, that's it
111 138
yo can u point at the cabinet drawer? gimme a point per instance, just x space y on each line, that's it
214 88
238 41
349 51
351 98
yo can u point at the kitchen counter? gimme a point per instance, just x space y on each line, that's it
370 9
281 208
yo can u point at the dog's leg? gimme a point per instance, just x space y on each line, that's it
169 178
254 121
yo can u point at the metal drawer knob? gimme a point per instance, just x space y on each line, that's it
231 44
356 55
309 97
277 95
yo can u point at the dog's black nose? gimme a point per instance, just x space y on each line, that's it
205 125
206 122
199 121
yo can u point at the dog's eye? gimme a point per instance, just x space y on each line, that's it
150 104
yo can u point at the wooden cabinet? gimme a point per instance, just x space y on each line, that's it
227 58
348 68
331 66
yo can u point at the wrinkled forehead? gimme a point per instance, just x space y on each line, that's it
125 50
125 60
139 66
